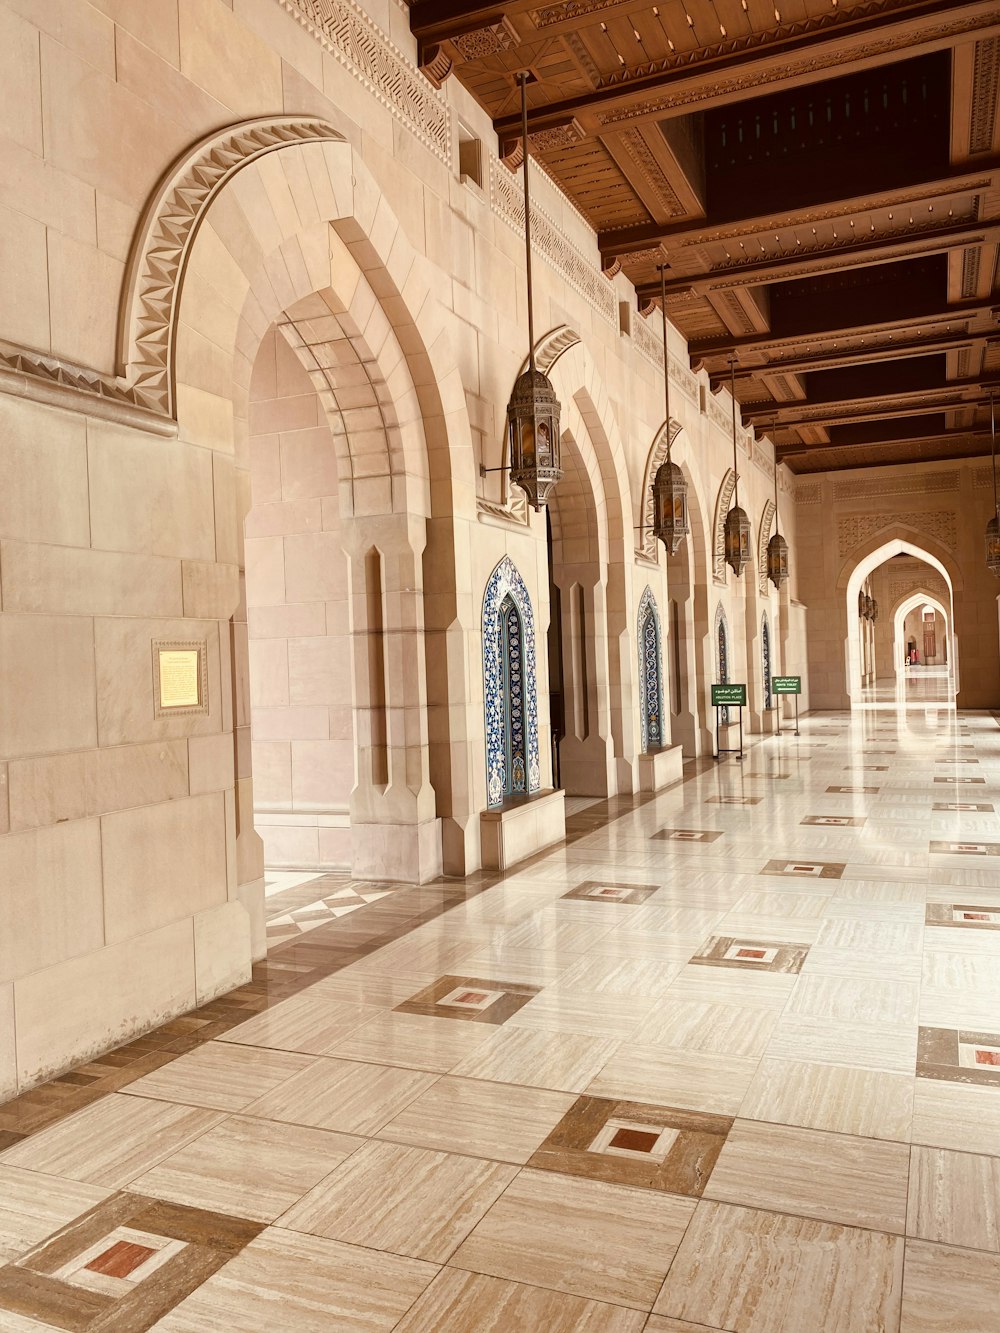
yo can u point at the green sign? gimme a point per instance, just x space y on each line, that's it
786 684
729 694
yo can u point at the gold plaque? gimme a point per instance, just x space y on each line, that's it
180 682
180 678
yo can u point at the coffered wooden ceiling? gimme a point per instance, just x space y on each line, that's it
820 177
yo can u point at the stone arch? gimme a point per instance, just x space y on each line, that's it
904 605
505 583
895 539
650 641
723 504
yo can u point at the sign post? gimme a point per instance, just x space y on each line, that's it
787 685
724 696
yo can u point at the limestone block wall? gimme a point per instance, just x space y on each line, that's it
939 512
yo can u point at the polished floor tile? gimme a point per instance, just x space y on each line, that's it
409 1201
412 1041
492 1120
691 1080
459 1302
304 1023
760 1272
33 1206
952 1115
302 1284
725 1029
113 1141
809 1173
599 1241
220 1077
343 1095
562 1061
865 1102
954 1198
249 1168
948 1290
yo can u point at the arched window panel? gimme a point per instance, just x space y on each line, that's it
650 674
509 688
765 650
722 656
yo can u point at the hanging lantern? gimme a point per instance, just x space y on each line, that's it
737 540
533 436
777 560
737 530
993 526
533 410
670 506
861 605
777 547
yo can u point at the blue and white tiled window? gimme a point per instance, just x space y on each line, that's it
650 674
511 701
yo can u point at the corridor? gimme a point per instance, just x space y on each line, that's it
727 1059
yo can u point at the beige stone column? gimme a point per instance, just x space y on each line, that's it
586 752
395 831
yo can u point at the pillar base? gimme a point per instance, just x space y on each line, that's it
522 827
661 768
403 853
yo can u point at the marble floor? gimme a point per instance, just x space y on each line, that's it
727 1060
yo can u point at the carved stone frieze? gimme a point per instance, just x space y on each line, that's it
970 270
808 494
926 482
507 199
549 349
345 30
159 252
985 86
50 379
854 529
722 506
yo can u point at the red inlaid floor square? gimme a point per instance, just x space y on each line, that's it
122 1258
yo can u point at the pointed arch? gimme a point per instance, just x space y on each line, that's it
763 537
650 641
510 689
722 506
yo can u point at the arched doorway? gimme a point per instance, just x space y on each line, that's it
898 571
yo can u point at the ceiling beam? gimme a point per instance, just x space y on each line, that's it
863 253
707 232
944 439
803 413
437 20
808 51
763 342
854 356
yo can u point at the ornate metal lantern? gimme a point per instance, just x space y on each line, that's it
737 531
533 435
993 526
777 547
670 507
670 511
861 605
533 410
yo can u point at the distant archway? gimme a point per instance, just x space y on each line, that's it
852 580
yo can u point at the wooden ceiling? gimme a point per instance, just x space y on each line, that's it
821 179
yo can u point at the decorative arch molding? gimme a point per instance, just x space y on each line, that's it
551 347
506 587
722 506
157 263
763 537
657 454
650 640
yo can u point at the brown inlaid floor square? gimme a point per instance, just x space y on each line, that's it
121 1266
866 768
729 951
970 848
854 791
965 915
635 1143
835 821
471 999
688 834
601 891
959 1055
977 807
804 869
981 782
734 800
